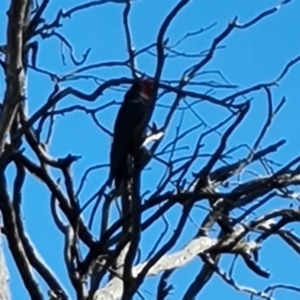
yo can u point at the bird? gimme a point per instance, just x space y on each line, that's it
130 129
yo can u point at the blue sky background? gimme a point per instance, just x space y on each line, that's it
257 54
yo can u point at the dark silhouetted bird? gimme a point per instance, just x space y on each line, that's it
130 129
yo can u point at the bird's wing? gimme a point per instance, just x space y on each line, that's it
125 141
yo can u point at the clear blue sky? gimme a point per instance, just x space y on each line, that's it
250 56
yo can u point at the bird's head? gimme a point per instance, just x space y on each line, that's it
142 88
146 88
